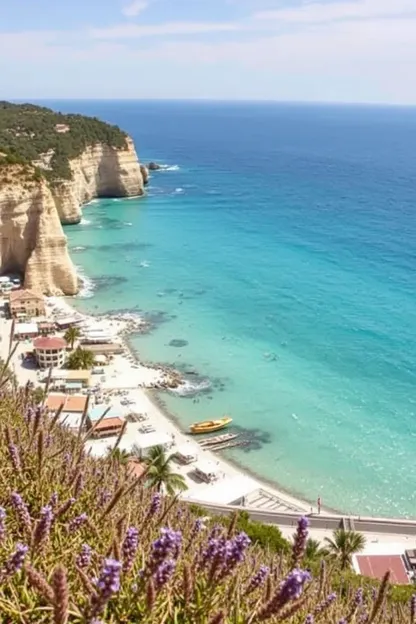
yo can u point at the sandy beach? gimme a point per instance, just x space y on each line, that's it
126 387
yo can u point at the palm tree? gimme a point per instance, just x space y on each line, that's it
344 545
159 474
71 335
122 457
313 550
80 359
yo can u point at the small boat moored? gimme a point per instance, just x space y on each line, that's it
206 426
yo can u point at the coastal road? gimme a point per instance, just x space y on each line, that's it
391 528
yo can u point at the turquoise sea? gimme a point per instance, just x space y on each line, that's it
278 252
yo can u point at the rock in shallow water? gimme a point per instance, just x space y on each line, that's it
152 166
177 342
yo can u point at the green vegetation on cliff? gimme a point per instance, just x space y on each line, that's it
28 132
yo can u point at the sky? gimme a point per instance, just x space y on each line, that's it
286 50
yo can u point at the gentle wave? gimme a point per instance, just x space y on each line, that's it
87 285
145 264
79 248
84 222
127 223
168 168
189 388
179 190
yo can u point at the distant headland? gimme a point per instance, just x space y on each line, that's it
50 165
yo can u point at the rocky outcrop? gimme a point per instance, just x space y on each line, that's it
145 174
152 166
100 171
32 241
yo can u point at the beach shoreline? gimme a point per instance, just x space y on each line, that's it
167 421
127 377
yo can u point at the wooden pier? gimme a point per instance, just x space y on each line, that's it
219 439
227 445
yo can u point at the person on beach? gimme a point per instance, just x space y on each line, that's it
319 503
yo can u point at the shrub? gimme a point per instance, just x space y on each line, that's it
83 541
28 131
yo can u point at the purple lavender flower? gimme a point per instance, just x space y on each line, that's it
84 558
198 527
77 522
21 510
223 555
216 549
29 414
129 548
2 524
325 604
291 588
412 608
309 619
155 504
167 544
53 501
299 540
15 562
104 497
215 531
258 579
14 456
164 572
43 526
108 584
79 485
358 598
238 546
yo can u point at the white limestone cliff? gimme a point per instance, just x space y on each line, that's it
100 171
32 240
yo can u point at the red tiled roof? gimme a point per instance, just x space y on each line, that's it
49 343
109 423
54 401
75 403
136 468
71 403
377 565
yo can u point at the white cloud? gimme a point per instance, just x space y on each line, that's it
349 52
132 9
320 12
134 31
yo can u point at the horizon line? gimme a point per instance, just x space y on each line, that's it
212 101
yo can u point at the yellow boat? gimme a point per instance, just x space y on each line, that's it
207 426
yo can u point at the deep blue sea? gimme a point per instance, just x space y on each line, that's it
279 248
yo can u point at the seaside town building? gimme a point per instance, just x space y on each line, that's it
70 380
73 407
50 352
110 425
25 304
105 349
25 331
